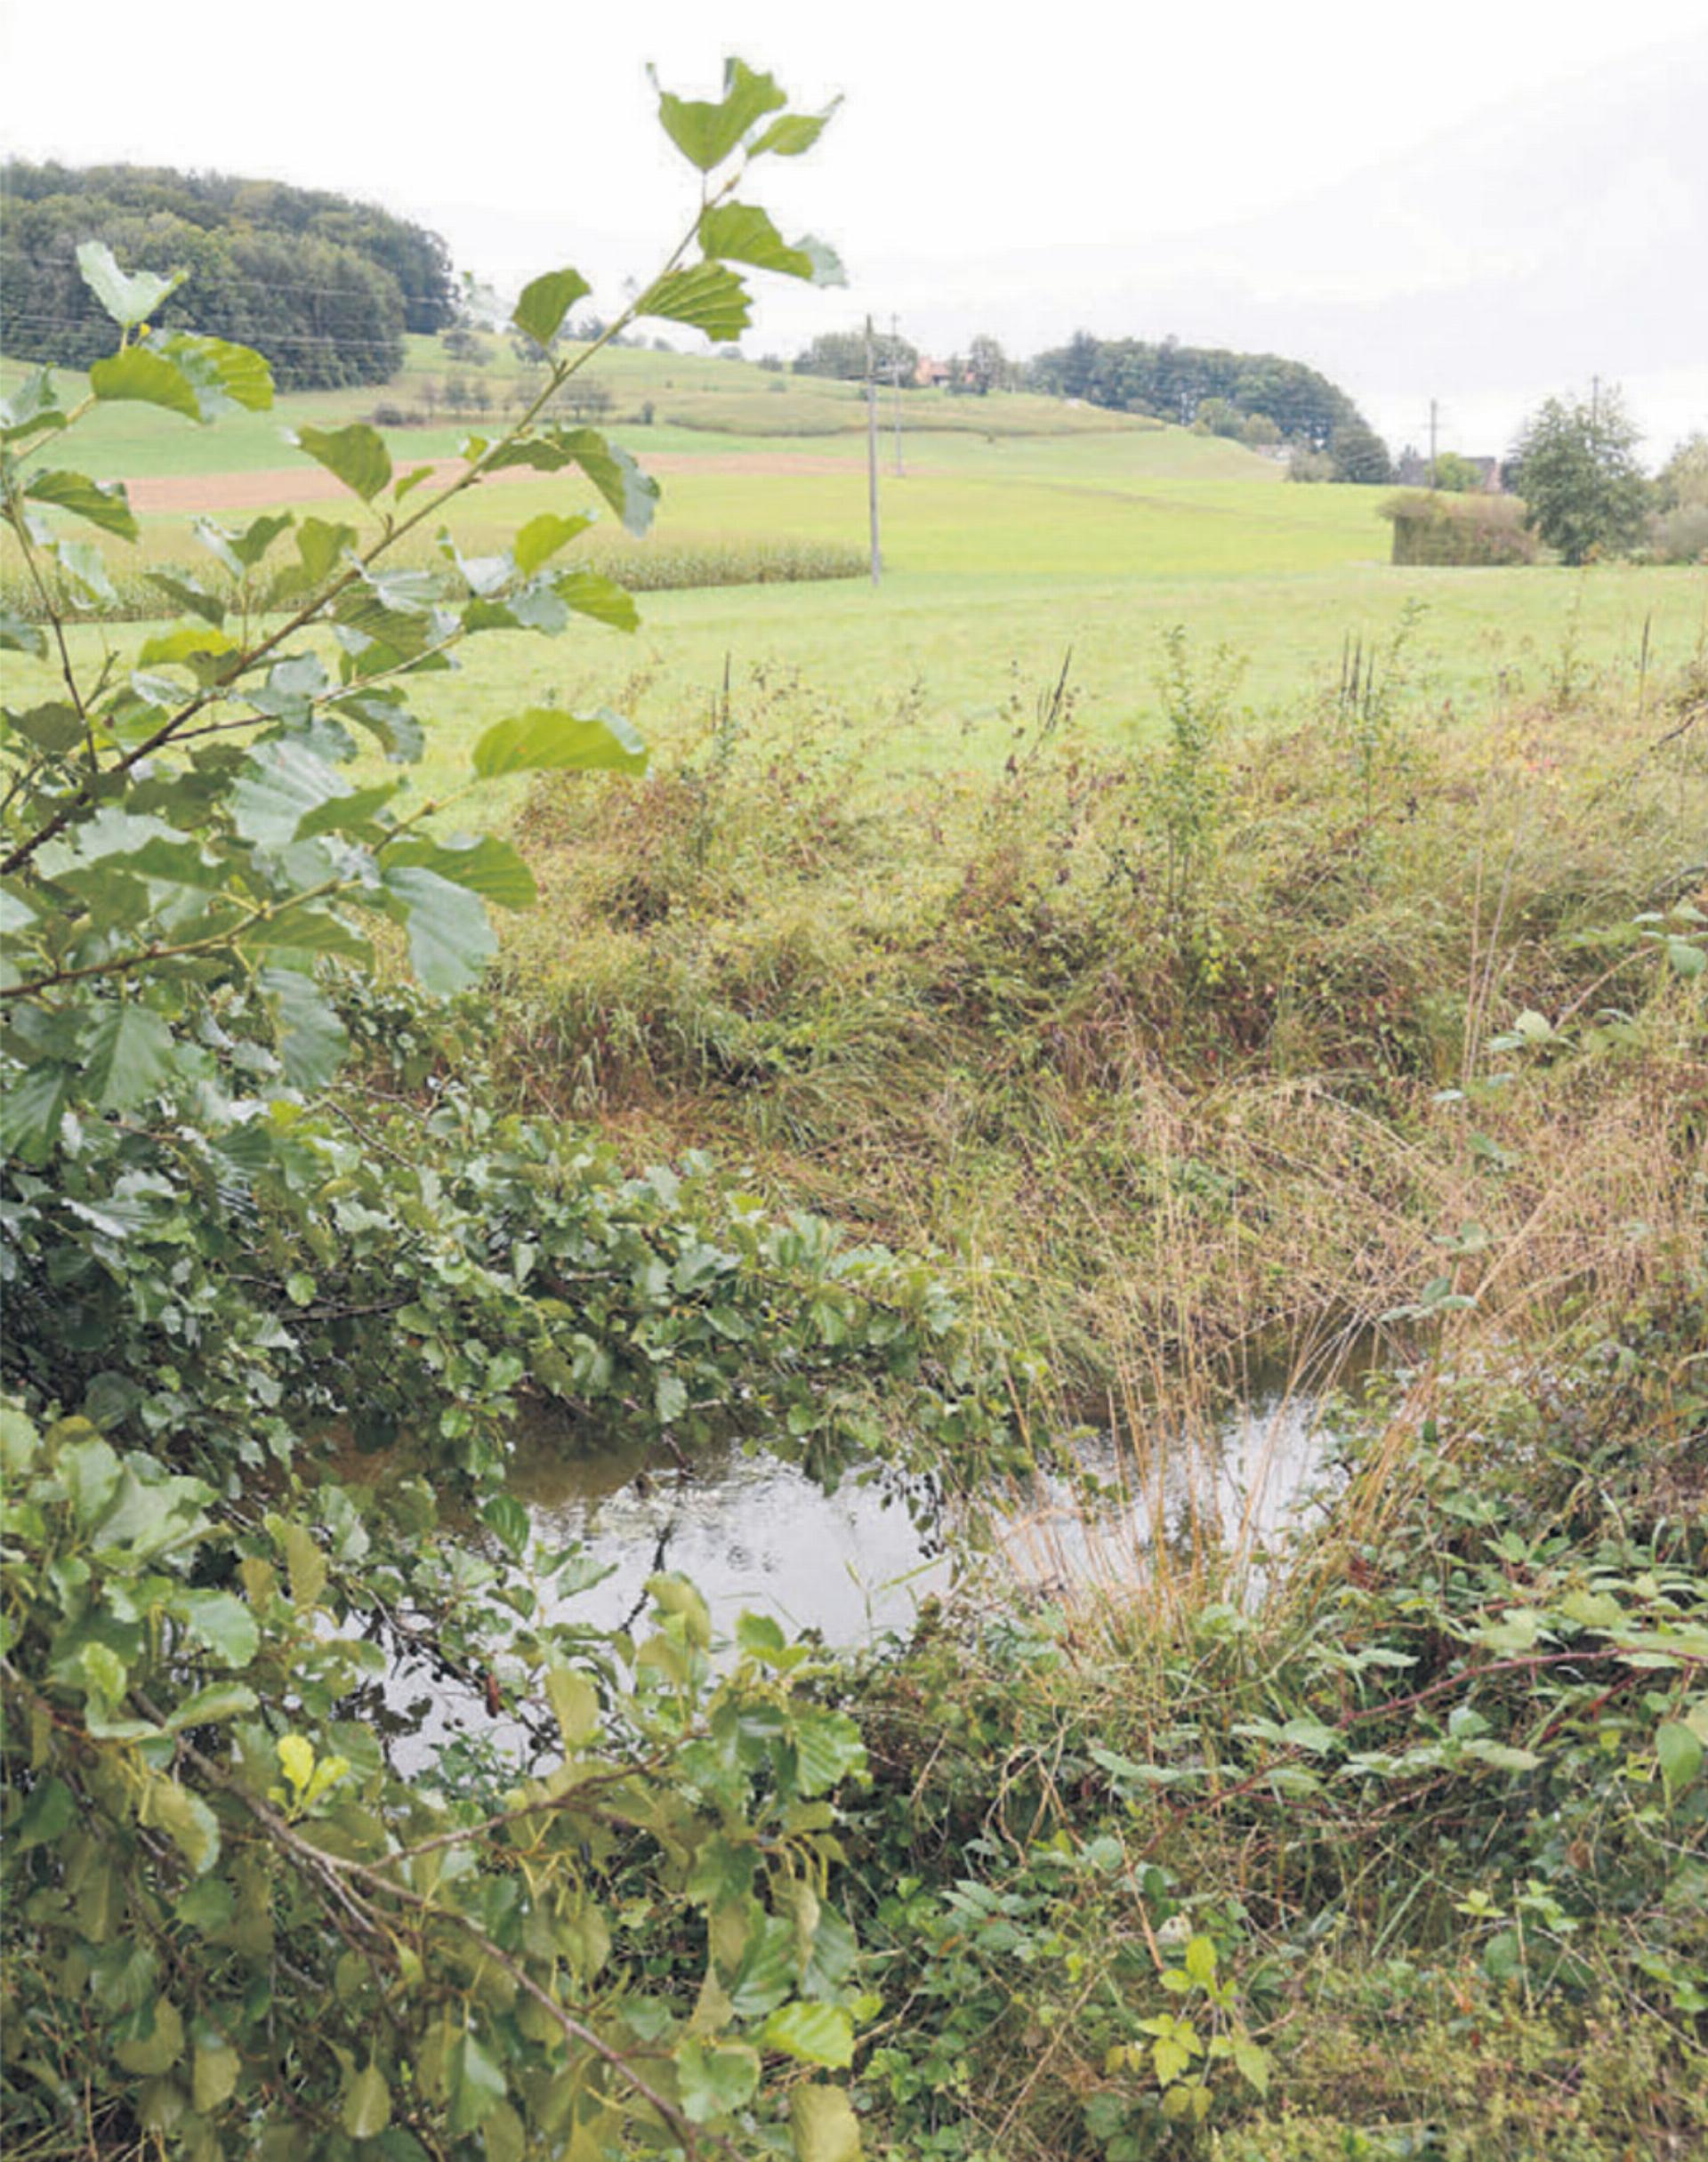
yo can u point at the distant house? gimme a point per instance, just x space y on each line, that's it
931 375
1412 469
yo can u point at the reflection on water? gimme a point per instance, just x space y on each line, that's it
856 1565
753 1532
748 1530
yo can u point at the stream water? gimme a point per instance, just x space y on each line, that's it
856 1565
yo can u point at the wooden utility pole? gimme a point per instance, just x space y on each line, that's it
872 454
894 384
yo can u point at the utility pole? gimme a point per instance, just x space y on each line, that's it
1434 427
872 454
895 385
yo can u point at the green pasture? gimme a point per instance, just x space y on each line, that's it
691 398
1002 553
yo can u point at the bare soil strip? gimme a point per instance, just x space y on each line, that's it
308 483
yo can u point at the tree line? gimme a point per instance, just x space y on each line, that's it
1262 400
324 286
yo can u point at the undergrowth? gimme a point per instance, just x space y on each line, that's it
1386 1837
1166 1054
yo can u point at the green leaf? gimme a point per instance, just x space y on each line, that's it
320 545
98 502
190 593
762 1634
1201 1961
356 455
83 568
823 2126
476 2083
34 407
674 1594
90 1473
486 866
450 937
503 2135
130 1057
220 1621
311 1038
765 1973
387 718
1251 2061
817 2034
1687 960
706 134
222 375
827 1747
51 1807
128 298
258 536
575 1701
187 1821
707 296
219 1700
545 302
603 598
1679 1753
186 645
17 636
541 537
296 1760
304 1560
792 135
282 784
215 2078
546 739
715 2079
160 2048
346 814
147 378
741 232
367 2104
30 1110
631 493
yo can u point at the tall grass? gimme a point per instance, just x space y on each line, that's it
967 1016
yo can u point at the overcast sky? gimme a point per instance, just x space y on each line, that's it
1482 201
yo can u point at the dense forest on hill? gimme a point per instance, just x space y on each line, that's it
324 286
1175 382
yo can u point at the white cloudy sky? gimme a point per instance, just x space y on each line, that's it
1480 201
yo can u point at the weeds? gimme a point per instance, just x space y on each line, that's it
1370 1825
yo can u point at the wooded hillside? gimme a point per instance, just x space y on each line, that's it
324 286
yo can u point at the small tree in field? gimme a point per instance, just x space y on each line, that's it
1576 469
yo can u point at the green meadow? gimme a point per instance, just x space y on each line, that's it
1023 534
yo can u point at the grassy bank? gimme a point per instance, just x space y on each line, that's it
1393 1845
1223 1015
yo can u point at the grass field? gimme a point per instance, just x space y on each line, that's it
1002 553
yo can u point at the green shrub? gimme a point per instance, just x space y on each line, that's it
1459 528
